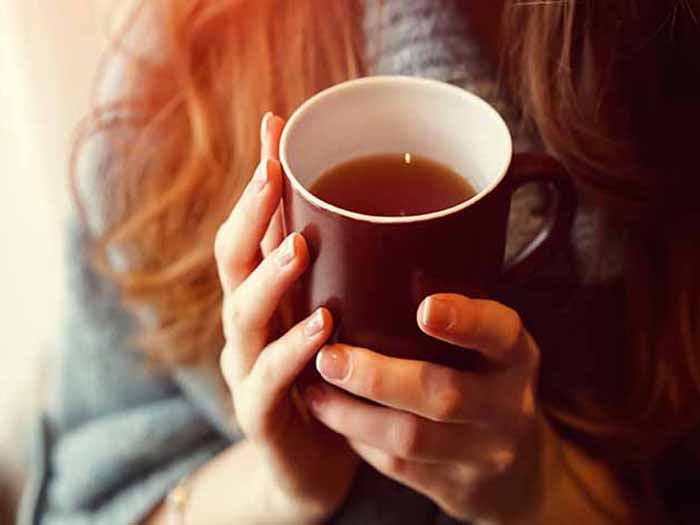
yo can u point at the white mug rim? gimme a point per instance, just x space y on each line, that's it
381 219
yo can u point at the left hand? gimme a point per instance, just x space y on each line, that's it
456 437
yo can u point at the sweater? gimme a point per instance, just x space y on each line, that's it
116 436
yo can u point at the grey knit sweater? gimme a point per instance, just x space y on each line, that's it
116 437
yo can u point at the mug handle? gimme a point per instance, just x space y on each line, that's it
530 167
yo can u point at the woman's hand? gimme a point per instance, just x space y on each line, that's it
257 267
464 439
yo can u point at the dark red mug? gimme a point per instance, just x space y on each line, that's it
373 272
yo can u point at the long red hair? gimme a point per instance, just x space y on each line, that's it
612 88
182 137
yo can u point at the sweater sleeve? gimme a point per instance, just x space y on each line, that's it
116 436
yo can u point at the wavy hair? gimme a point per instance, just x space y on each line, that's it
182 141
611 86
613 90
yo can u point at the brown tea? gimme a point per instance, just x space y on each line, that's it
392 185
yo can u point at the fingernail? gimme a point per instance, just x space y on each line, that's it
315 324
264 125
439 314
333 363
287 251
260 177
314 395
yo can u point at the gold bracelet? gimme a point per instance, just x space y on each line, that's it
176 502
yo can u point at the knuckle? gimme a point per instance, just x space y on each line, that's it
449 404
405 436
443 388
499 461
222 250
236 314
372 380
225 316
512 331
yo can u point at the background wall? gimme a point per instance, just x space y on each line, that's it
49 51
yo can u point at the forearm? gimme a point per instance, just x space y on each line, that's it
575 484
233 488
557 482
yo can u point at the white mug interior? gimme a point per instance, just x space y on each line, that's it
376 115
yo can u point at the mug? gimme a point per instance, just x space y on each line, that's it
372 272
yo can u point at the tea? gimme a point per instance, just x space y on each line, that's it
392 184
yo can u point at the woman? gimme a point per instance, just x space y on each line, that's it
591 409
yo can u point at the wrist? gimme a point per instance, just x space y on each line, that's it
288 503
516 495
291 510
567 481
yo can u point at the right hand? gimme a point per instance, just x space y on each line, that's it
309 468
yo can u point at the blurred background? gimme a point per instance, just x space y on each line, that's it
49 52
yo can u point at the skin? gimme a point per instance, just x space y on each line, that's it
257 267
471 442
426 413
430 427
274 472
468 441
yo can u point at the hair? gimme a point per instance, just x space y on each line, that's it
183 141
611 86
613 91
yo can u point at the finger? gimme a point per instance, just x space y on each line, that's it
488 327
425 389
237 245
405 435
270 133
278 366
274 234
433 480
248 310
